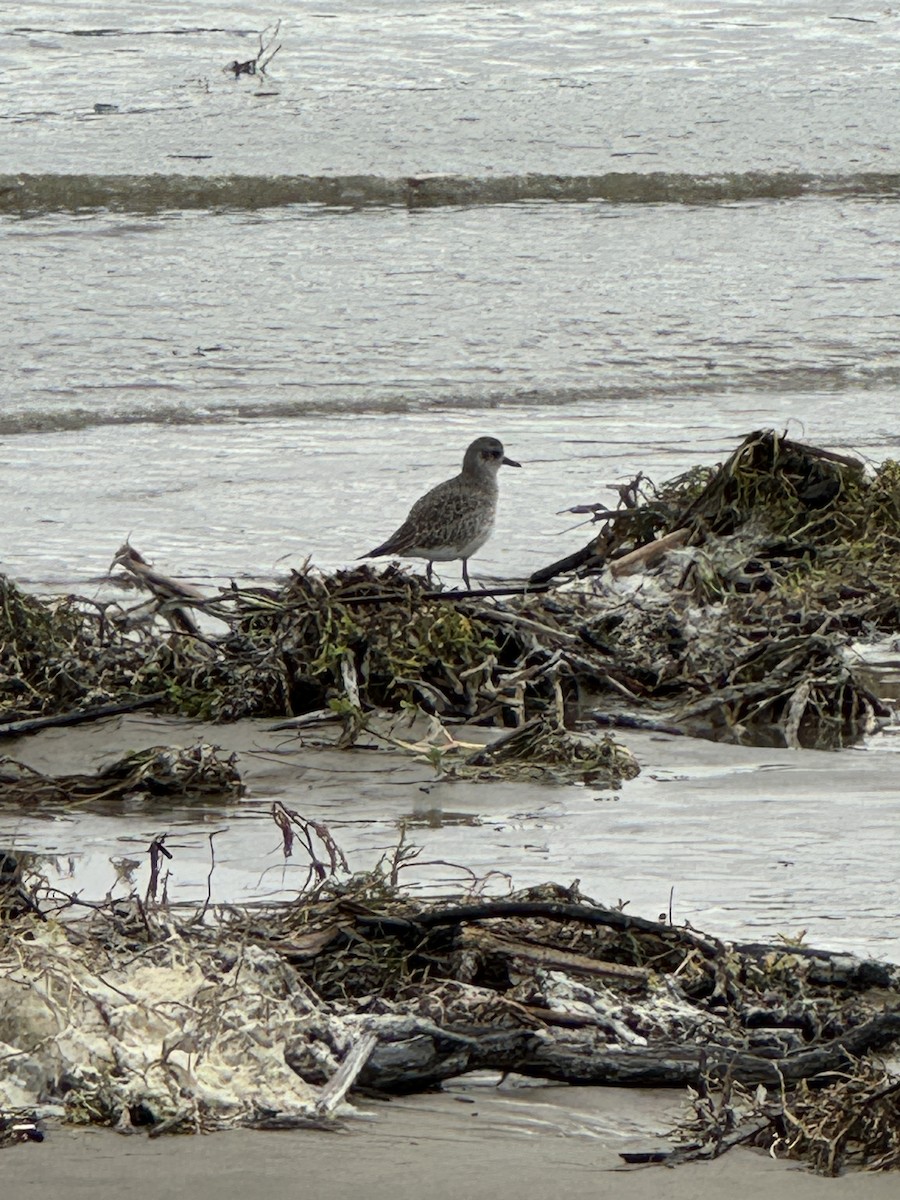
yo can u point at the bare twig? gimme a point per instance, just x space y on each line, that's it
157 852
257 65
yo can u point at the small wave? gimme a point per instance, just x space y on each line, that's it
28 195
66 416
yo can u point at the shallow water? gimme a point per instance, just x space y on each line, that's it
201 356
394 88
249 320
289 387
749 844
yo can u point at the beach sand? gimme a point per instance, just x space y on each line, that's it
432 1146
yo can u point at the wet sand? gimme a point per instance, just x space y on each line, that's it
754 841
436 1146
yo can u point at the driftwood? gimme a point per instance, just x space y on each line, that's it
593 1044
80 717
591 559
699 1151
544 748
649 553
171 595
590 914
423 1056
607 720
344 1078
676 1066
587 557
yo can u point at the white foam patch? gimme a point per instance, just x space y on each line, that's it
194 1034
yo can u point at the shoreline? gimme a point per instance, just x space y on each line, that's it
441 1145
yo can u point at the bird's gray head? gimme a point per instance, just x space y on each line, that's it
485 455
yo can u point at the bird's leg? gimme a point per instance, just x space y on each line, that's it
465 563
428 567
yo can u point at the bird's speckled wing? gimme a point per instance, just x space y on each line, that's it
447 514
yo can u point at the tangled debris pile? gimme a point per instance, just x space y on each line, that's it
60 655
776 560
790 552
143 1015
138 1016
191 772
847 1118
543 749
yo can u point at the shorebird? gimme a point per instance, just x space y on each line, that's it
455 518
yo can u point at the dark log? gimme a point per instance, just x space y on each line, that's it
589 914
80 716
366 598
422 1055
830 969
581 558
694 1151
669 1065
634 721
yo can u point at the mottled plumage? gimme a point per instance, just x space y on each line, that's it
455 518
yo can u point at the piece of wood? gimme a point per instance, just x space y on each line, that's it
345 1076
166 591
394 597
648 554
585 557
419 1055
827 968
551 958
669 1065
80 716
633 721
700 1151
518 621
590 914
162 586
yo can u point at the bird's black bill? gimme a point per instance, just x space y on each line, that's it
509 462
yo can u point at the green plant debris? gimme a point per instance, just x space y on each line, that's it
809 524
742 633
69 653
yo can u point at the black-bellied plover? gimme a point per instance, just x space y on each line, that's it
455 518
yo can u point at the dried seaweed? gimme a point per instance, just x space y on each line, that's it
776 1042
834 1121
69 653
545 749
809 524
742 634
853 1120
